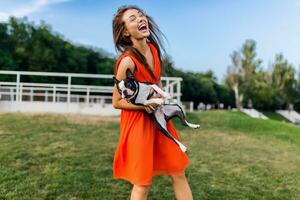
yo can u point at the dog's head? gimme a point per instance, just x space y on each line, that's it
128 87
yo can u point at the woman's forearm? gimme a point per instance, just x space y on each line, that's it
123 104
120 103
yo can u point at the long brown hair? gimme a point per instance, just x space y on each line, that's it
123 43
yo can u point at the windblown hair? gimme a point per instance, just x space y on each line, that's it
124 43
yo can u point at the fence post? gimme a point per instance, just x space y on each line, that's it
171 91
69 89
54 94
18 87
191 106
87 101
46 96
12 96
178 91
21 92
31 95
168 85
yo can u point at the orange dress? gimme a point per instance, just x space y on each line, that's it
143 151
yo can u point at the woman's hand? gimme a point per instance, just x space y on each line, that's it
151 107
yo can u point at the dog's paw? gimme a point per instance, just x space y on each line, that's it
158 101
195 126
161 101
167 96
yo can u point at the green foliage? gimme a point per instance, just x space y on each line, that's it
250 67
284 81
224 94
28 47
234 78
199 87
297 100
261 89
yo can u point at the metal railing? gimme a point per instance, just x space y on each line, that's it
18 91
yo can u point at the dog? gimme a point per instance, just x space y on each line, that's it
142 93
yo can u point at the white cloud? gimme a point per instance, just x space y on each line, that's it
35 6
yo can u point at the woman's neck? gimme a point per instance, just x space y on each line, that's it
141 45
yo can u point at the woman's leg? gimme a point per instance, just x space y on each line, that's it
181 187
139 192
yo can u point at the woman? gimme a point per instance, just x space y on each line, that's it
143 151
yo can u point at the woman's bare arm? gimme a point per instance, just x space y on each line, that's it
118 102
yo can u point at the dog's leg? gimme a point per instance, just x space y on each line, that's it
160 121
181 146
161 92
192 125
172 110
158 101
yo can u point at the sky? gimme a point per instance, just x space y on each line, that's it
201 34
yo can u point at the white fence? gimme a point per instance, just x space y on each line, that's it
65 98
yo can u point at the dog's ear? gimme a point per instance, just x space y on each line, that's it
129 74
116 81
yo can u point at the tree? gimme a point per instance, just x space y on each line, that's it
250 68
196 87
297 100
6 61
250 83
234 78
284 81
263 94
25 46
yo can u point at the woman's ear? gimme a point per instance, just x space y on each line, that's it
126 33
129 74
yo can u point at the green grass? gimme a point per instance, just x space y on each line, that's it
70 157
275 116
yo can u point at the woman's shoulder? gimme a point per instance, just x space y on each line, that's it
123 62
126 61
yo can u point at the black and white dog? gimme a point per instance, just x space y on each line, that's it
140 93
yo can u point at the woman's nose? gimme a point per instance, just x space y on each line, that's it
140 19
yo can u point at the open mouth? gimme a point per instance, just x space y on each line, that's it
142 27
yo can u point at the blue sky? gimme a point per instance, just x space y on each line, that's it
201 34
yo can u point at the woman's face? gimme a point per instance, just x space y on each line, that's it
136 24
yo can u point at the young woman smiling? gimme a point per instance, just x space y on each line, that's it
142 151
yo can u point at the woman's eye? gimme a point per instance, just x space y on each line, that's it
132 19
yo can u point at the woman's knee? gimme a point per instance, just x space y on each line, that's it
178 177
141 189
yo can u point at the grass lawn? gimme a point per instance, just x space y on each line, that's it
45 156
275 116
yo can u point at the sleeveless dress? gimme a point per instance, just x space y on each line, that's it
143 151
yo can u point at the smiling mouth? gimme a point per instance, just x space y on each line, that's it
143 27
